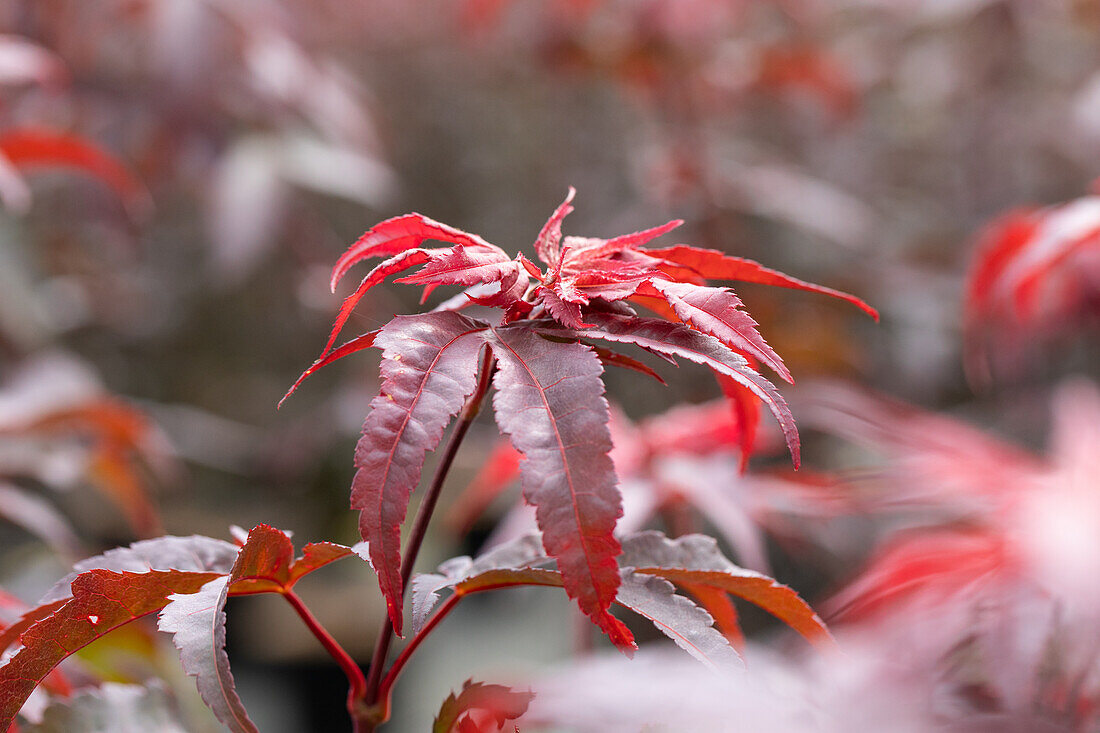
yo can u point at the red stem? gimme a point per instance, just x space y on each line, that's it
371 695
385 690
357 684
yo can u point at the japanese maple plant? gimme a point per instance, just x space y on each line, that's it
544 353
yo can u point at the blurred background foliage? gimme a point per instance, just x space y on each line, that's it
163 286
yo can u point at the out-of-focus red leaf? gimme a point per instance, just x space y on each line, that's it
499 469
30 148
118 435
22 62
805 68
495 704
429 368
39 517
935 563
1033 268
550 403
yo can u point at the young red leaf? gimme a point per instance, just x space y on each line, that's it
32 148
397 235
464 266
358 343
688 263
400 263
548 243
717 311
674 339
496 704
564 312
550 403
429 368
696 560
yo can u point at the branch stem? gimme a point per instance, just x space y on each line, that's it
371 696
357 684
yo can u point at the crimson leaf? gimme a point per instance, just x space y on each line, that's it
683 262
429 368
550 403
675 339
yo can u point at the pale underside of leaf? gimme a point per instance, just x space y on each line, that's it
689 626
197 624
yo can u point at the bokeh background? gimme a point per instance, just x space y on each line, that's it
156 304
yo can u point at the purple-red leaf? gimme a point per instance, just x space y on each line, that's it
429 368
675 339
550 403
